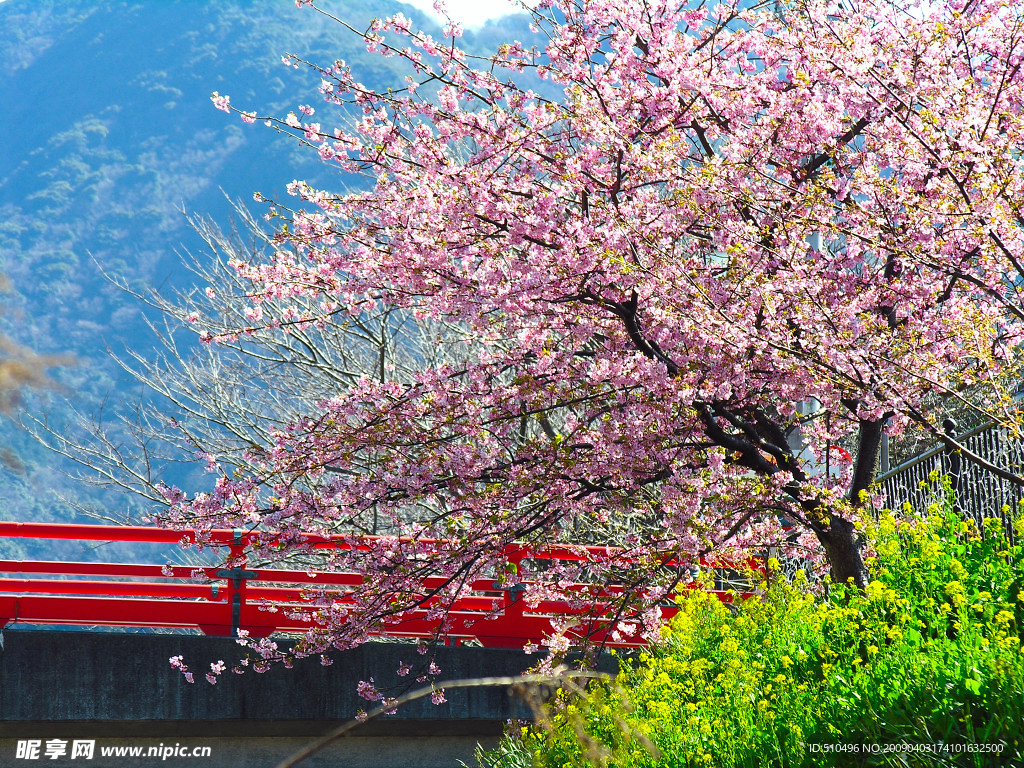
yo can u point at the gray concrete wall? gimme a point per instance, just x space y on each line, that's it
118 689
125 678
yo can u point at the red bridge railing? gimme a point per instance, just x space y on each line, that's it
236 597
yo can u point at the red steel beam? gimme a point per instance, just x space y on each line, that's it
214 619
92 587
224 537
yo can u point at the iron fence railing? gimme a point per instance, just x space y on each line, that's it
978 492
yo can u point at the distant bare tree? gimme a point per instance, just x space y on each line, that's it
21 369
226 397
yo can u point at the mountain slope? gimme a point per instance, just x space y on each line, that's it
108 135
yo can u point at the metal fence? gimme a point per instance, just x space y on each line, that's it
978 492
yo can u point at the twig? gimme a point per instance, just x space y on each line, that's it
420 693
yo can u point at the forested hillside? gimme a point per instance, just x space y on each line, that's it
108 135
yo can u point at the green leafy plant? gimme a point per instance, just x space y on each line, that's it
923 667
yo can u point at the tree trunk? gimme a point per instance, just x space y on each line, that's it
843 549
841 541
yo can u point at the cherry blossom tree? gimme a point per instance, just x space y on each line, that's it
693 248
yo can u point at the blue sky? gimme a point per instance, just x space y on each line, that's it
471 13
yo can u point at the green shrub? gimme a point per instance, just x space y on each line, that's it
925 667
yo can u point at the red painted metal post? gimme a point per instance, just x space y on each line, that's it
237 576
506 630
